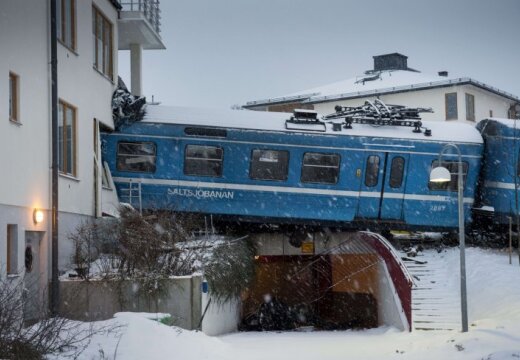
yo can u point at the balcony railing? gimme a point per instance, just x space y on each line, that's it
150 9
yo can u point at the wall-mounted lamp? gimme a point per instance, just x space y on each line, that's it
37 216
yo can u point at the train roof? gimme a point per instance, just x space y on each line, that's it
275 121
499 127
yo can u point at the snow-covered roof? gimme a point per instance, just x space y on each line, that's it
275 121
377 83
510 123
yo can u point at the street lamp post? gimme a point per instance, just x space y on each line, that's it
441 175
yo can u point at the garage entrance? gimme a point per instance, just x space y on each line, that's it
345 282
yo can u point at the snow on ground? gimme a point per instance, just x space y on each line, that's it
494 312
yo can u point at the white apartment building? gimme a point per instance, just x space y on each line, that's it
89 34
392 81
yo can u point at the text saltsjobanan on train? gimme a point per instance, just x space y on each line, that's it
358 168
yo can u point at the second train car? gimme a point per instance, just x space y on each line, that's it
252 166
498 198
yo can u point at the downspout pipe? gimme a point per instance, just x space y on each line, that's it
55 286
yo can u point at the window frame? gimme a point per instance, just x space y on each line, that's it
447 108
125 142
453 168
391 182
470 106
63 147
106 69
252 162
14 97
62 24
304 166
12 249
221 160
372 184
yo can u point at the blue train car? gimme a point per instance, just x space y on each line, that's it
250 165
500 168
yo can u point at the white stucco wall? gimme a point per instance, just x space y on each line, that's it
26 147
90 92
435 98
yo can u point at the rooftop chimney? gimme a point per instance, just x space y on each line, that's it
443 73
393 61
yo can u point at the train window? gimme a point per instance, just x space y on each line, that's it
203 160
269 165
396 172
320 168
372 171
453 168
136 156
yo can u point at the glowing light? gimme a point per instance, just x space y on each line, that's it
37 216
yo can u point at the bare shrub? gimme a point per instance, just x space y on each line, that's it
151 248
48 336
137 247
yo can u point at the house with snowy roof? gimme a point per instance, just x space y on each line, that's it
393 82
60 80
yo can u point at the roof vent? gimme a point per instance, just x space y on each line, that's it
393 61
443 73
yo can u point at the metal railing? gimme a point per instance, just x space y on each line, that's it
150 9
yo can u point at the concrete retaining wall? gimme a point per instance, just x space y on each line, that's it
100 300
220 318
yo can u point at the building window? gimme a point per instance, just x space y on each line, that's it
12 249
202 160
14 92
136 157
269 165
396 172
320 168
470 107
372 171
67 138
102 42
453 168
514 111
66 22
451 106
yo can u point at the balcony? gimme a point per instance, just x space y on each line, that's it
140 24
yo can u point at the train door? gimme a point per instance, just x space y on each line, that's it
394 185
381 194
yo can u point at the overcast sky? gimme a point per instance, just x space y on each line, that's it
225 52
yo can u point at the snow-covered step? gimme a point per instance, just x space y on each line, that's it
433 308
